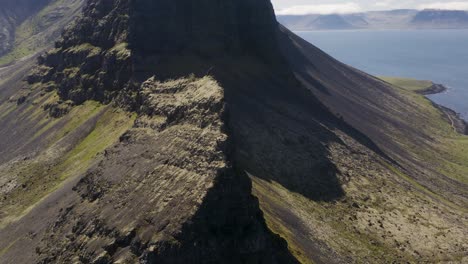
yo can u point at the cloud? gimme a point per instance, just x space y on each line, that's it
383 4
349 7
446 5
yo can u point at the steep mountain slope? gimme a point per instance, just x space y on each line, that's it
143 134
12 13
27 26
422 182
198 207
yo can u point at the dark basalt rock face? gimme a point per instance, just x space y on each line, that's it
118 43
205 27
197 206
172 185
167 192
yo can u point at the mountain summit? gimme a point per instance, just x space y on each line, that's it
178 131
128 40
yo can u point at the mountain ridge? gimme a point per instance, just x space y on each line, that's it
393 19
244 152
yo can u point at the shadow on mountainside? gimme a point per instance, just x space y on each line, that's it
228 228
282 133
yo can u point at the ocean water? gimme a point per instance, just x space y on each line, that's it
437 55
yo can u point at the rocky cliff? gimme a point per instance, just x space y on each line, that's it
169 190
203 132
131 41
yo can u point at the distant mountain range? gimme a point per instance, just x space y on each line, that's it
394 19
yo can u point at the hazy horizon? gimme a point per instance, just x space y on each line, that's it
302 7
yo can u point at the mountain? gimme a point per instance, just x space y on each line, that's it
180 132
13 13
330 22
393 19
27 26
440 19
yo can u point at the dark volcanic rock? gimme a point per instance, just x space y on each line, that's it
433 89
118 44
167 193
210 28
171 190
173 186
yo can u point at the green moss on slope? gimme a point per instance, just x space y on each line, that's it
35 33
59 162
449 151
387 215
408 83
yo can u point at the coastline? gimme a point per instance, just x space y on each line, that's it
458 123
433 89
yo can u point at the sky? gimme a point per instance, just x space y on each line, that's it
299 7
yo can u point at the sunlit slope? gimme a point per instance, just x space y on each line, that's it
347 168
38 30
397 121
409 206
39 153
408 83
449 150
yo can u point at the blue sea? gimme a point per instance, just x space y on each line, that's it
437 55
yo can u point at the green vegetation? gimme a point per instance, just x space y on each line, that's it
31 36
376 225
335 230
121 51
69 155
87 48
407 83
71 72
449 151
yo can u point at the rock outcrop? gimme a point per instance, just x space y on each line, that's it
170 191
145 133
167 193
119 44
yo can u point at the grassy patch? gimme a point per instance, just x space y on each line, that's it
449 152
84 48
121 51
408 83
6 108
35 33
319 216
59 162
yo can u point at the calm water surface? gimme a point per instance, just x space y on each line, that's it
437 55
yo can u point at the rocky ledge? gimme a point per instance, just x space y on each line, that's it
433 89
117 45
